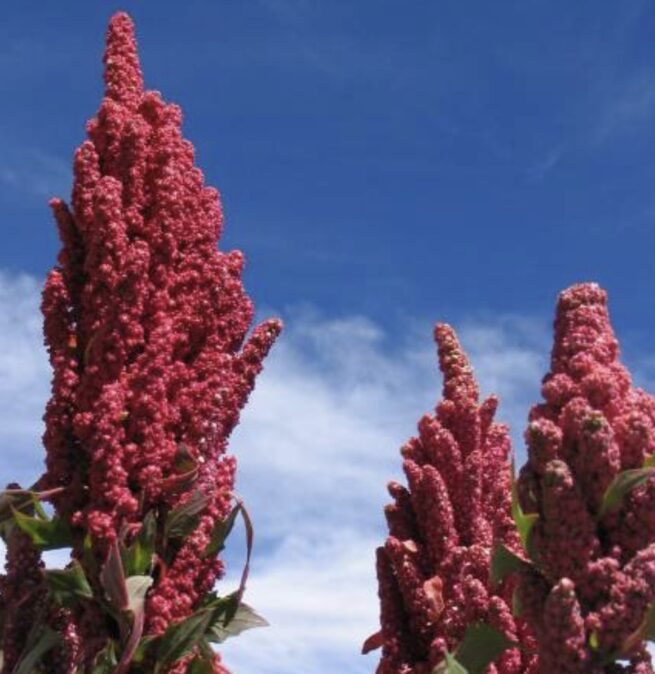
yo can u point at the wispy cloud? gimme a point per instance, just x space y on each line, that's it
317 444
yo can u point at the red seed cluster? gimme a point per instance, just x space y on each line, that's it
434 569
21 596
596 568
146 326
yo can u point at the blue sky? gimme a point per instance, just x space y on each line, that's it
383 164
378 156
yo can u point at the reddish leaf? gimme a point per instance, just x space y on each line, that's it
112 578
374 642
433 589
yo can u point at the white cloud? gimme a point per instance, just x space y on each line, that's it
317 445
24 379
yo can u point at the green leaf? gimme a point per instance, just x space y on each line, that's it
450 665
137 588
504 563
182 521
524 523
244 619
594 644
201 665
222 609
47 640
221 531
25 501
482 644
645 631
40 510
649 462
142 647
68 585
621 486
517 604
105 662
45 534
215 613
180 638
184 461
88 558
137 558
648 624
205 649
12 501
217 619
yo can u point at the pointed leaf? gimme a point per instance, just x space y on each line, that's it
132 643
142 647
180 638
181 521
250 540
184 461
46 534
112 579
221 531
137 558
23 500
482 644
645 631
205 650
594 643
621 486
137 588
11 501
374 642
105 662
47 640
517 605
524 523
244 619
450 665
201 665
68 585
504 563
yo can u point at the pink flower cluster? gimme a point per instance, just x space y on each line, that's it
146 325
434 569
596 565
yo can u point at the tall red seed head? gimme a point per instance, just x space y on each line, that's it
146 324
592 425
434 568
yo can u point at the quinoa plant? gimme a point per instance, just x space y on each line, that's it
552 574
441 610
587 496
146 326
